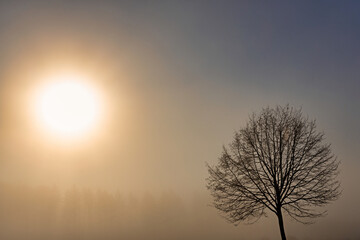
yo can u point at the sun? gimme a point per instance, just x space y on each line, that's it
67 105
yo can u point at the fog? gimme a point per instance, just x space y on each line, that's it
178 80
45 212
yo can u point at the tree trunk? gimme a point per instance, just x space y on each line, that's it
281 224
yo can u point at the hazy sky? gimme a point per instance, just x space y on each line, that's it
181 77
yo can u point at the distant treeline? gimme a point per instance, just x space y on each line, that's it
47 213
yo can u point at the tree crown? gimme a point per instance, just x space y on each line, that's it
277 161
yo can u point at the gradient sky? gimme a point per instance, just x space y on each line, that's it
182 76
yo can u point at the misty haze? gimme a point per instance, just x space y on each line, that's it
148 120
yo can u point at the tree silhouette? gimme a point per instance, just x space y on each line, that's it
278 162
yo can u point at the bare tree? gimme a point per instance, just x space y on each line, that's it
278 162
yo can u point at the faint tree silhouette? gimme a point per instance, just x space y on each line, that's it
277 162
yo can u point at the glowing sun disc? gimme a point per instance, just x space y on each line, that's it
67 106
